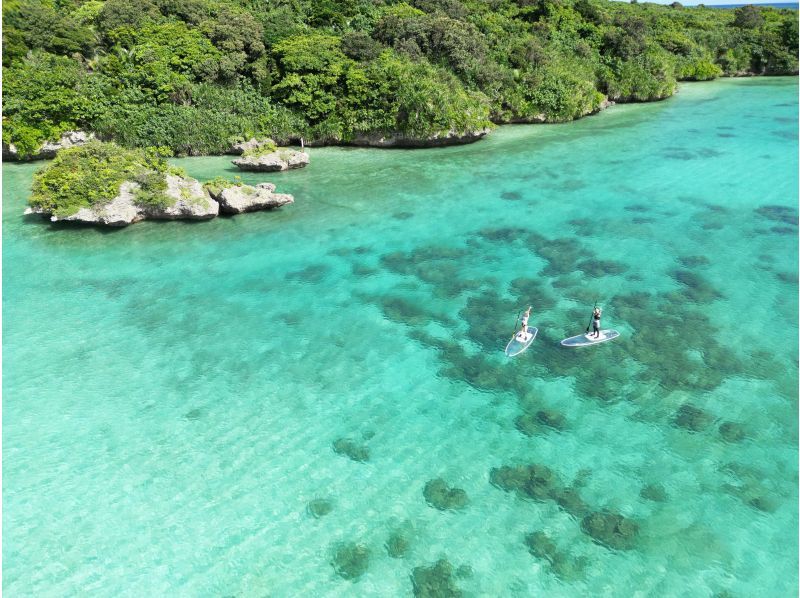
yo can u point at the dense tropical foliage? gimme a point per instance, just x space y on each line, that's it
197 75
83 176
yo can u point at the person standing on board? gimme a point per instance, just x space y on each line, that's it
525 317
596 313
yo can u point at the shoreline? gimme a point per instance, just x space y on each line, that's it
463 138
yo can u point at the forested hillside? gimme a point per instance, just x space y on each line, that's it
197 75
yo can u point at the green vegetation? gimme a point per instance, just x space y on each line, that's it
256 152
216 185
91 174
199 75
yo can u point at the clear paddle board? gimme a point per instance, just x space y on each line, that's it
584 340
519 342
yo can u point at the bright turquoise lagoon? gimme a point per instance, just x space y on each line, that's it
172 392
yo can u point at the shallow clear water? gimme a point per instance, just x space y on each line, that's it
173 391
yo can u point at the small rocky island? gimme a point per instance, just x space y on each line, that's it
102 183
265 156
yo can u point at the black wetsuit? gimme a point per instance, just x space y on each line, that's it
596 323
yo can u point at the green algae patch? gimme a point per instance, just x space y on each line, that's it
436 581
348 448
319 507
350 560
218 184
612 530
91 174
440 495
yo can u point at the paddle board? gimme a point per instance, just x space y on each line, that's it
521 341
584 340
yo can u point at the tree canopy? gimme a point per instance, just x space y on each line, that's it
195 75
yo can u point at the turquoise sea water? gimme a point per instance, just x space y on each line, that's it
173 392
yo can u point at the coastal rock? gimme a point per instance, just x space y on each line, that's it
401 140
541 117
245 198
49 148
190 201
282 159
250 145
120 211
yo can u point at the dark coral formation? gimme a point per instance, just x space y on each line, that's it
654 492
531 291
538 482
438 494
612 530
696 288
596 267
435 581
541 546
561 563
539 422
693 261
749 486
311 274
357 452
398 544
782 214
193 414
732 432
319 507
511 195
692 418
350 560
552 419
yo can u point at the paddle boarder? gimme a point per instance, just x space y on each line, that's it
596 313
525 317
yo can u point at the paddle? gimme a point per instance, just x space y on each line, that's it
592 317
515 324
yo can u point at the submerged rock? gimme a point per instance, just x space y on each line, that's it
356 452
611 530
441 496
435 581
350 560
